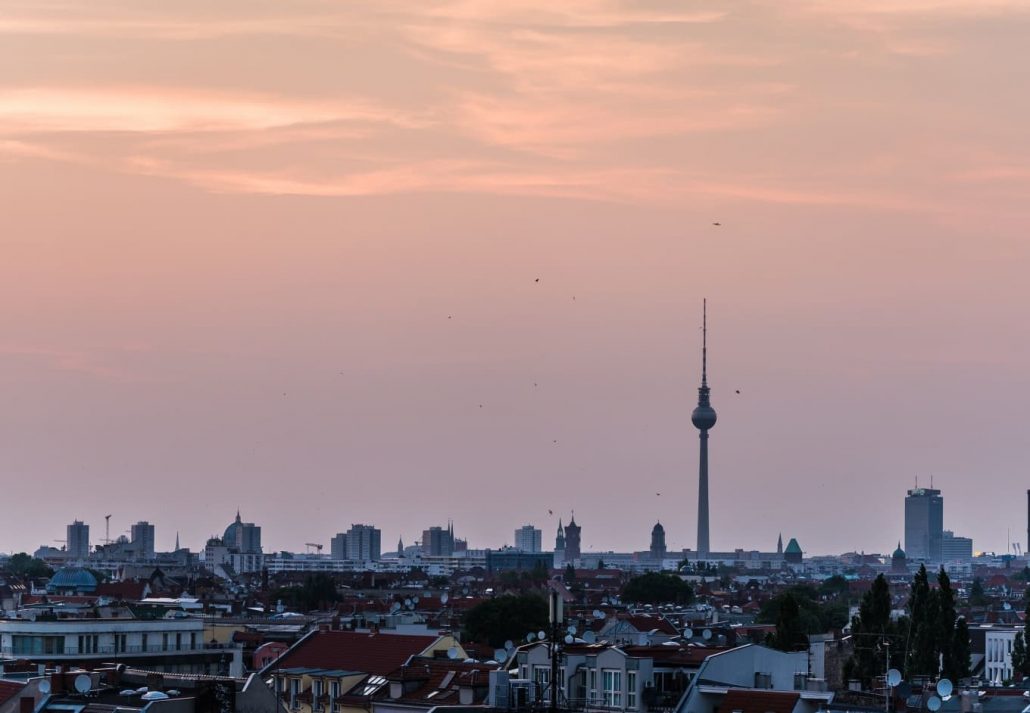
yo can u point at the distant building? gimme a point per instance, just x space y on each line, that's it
924 524
364 543
792 554
899 561
438 542
955 548
244 537
338 546
143 539
572 540
78 540
529 539
658 542
518 560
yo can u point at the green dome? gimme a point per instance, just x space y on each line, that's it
793 548
899 554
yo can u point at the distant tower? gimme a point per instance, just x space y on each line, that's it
400 546
572 541
779 544
703 419
658 542
559 540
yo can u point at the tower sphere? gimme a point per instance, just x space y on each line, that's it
703 417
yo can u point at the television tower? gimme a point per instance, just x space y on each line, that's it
703 419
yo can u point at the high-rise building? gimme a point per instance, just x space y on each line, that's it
438 542
529 539
703 419
955 548
143 539
658 542
572 540
78 540
338 546
924 524
364 543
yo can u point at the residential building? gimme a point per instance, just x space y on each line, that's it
519 560
78 540
363 543
438 542
529 539
143 539
173 645
338 546
924 524
342 671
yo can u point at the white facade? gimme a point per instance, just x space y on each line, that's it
103 638
998 654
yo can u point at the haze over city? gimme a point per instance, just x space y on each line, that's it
404 263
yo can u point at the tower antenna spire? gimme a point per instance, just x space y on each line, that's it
704 342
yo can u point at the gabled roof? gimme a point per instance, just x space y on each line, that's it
354 651
749 700
439 681
10 689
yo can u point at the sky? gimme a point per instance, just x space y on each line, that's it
404 262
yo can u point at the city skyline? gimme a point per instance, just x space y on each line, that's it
445 261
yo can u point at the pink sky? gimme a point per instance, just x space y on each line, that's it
282 256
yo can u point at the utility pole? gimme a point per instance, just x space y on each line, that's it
556 613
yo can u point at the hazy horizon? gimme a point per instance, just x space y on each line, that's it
401 263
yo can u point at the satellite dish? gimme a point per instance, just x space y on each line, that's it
407 602
444 597
893 677
596 613
601 614
127 692
44 686
706 634
452 653
572 629
688 633
530 636
465 590
414 600
944 688
83 683
154 696
933 703
569 638
500 655
541 634
174 692
509 645
1006 606
590 637
395 607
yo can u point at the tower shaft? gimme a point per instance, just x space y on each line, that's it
702 498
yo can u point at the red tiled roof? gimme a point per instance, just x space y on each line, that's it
645 623
751 701
431 673
10 689
126 591
355 651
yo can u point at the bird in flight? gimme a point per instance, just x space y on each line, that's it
537 280
717 224
738 391
550 512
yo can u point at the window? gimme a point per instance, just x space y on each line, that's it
592 695
164 642
334 689
542 677
143 644
631 690
193 640
611 680
178 642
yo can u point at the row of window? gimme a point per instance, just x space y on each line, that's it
612 691
26 645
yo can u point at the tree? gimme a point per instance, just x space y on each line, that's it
600 564
922 654
657 588
960 650
24 565
570 573
977 596
871 628
944 623
790 631
1019 653
834 586
506 618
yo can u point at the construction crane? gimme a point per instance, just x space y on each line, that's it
315 545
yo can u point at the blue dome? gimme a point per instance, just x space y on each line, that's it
229 537
72 578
